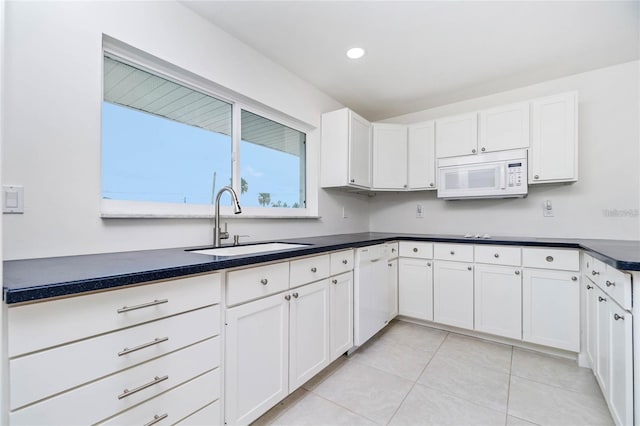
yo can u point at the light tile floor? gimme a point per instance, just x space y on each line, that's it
414 375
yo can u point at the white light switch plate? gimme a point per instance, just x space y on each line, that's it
419 211
12 199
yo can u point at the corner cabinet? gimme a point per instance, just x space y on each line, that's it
553 156
345 150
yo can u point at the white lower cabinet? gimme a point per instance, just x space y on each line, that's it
453 293
341 314
551 308
273 346
415 288
498 300
393 289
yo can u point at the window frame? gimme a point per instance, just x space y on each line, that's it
110 208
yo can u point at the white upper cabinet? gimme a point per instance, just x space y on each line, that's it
389 156
457 135
421 156
346 150
504 127
553 156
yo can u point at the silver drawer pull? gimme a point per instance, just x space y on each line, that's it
334 281
344 262
618 317
415 249
142 346
549 258
496 255
314 269
609 283
594 273
157 419
144 305
428 263
264 281
125 393
469 268
574 278
517 272
287 297
589 287
601 299
295 295
452 252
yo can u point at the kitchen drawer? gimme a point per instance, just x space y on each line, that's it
42 325
103 398
253 283
597 271
175 405
618 285
32 377
418 250
209 415
394 249
307 270
455 252
341 261
547 258
498 255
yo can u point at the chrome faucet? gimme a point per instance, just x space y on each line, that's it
219 234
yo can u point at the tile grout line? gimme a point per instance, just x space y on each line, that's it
506 417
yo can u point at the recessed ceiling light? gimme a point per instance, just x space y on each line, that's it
355 52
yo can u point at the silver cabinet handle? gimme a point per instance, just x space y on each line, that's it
618 317
483 149
469 268
295 295
393 250
431 184
155 341
415 249
390 264
352 181
589 287
574 278
473 151
536 177
594 273
428 263
314 269
496 255
344 262
143 305
609 283
334 281
452 252
125 393
517 272
405 185
157 419
287 297
601 299
264 281
549 258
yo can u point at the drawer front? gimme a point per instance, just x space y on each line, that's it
310 269
209 415
42 325
498 255
618 285
394 250
455 252
252 283
106 397
547 258
32 378
418 250
341 262
175 405
597 272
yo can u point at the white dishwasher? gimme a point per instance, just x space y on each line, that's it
370 290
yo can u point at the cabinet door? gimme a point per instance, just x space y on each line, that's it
550 309
415 288
309 332
257 358
591 324
603 341
341 315
393 289
457 135
554 141
621 365
421 156
498 300
389 156
359 151
504 127
453 293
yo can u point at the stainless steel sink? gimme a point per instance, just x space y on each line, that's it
248 249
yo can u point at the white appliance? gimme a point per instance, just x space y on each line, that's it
493 175
370 292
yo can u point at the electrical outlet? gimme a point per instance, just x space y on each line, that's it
419 211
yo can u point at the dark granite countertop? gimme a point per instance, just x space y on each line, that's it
35 279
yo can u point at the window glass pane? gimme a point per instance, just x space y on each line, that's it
272 160
161 141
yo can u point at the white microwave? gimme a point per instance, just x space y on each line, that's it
492 175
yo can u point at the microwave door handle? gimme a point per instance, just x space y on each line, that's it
503 176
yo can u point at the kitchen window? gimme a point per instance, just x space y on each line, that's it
168 147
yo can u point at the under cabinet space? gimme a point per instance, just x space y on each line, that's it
260 281
303 271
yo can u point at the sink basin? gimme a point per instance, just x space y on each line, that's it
249 249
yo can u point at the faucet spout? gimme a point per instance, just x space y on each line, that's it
218 234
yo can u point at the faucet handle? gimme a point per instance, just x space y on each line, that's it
236 239
224 235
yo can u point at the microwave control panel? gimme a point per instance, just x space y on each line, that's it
515 174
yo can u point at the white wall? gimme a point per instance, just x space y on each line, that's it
52 134
609 171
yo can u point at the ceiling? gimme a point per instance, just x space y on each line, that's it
422 54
